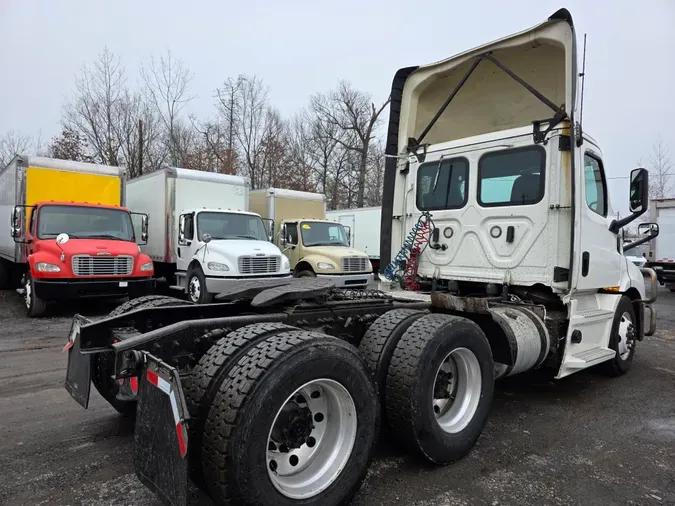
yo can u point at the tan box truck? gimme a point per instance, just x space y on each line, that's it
315 247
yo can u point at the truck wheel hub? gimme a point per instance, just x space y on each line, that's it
294 426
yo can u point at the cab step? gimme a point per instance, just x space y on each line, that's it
589 358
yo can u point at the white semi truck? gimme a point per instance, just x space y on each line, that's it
203 240
495 217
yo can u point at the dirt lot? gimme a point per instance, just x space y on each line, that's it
584 440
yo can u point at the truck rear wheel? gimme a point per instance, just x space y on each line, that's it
439 387
294 423
379 342
622 339
103 365
34 305
208 374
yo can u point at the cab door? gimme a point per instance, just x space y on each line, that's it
186 241
597 257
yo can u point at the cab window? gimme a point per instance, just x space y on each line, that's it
442 184
595 185
513 177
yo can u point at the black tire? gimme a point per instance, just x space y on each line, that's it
379 342
247 402
5 276
133 304
103 365
305 274
204 296
35 307
618 366
202 384
671 289
412 377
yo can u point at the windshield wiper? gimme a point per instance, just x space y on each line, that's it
106 236
247 237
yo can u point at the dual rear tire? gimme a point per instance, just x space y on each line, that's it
283 417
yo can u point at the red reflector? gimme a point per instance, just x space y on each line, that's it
153 378
134 384
181 439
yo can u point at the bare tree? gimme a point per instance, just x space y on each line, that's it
95 109
660 171
375 175
166 87
14 143
69 145
355 115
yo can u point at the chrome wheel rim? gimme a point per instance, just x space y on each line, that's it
27 293
626 330
457 389
311 439
194 289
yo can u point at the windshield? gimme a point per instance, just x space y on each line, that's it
319 233
231 226
81 222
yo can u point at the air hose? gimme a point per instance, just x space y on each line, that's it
404 265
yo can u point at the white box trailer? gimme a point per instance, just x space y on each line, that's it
661 251
363 226
202 237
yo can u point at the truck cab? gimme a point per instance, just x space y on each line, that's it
218 248
320 248
78 249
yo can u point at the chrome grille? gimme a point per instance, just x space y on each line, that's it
87 265
259 265
354 264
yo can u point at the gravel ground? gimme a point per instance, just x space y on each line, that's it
585 440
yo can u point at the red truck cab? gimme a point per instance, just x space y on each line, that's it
75 250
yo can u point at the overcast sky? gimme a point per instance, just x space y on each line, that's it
301 47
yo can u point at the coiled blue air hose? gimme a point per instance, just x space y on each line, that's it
395 269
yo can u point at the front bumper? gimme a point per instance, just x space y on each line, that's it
66 289
349 280
219 285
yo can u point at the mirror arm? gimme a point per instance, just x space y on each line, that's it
637 243
619 224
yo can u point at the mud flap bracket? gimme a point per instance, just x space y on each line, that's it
161 438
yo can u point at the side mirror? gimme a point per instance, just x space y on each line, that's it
62 239
648 229
206 238
144 228
16 221
348 230
639 191
181 230
647 232
283 237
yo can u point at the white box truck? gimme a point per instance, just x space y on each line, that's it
661 251
363 228
203 239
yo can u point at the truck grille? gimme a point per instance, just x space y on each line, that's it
87 265
259 265
354 264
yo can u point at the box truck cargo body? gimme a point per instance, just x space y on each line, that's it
202 237
315 247
44 198
661 251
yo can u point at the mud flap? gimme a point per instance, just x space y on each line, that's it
78 373
161 439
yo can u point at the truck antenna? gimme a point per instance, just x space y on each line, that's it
581 107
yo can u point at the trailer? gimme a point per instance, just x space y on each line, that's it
363 228
495 220
202 236
315 246
66 234
661 250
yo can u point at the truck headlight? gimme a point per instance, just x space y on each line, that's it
325 266
217 266
45 267
285 263
147 266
